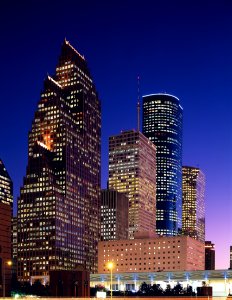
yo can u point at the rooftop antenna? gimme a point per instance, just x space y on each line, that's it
138 104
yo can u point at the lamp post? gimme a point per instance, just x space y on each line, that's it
4 264
110 266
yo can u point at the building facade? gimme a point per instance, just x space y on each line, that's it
152 255
114 215
6 211
209 256
14 239
162 124
132 171
59 203
193 203
219 280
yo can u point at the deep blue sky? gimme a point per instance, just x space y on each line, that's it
179 47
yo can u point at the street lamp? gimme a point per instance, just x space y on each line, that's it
110 266
4 264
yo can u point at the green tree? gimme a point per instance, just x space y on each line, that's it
178 289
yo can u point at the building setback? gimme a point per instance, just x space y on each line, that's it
114 215
152 254
162 124
132 170
209 256
59 203
6 211
193 203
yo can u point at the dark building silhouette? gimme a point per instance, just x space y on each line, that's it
193 203
162 124
59 203
203 291
114 215
209 256
6 209
70 284
230 257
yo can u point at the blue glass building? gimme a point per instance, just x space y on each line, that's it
162 124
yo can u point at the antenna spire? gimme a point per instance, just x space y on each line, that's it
138 104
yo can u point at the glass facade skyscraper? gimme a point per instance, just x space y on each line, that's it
59 203
193 203
162 124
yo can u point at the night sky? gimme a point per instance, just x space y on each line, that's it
182 48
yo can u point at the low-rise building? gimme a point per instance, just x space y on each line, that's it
219 280
152 254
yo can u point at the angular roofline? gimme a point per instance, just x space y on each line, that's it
71 47
55 82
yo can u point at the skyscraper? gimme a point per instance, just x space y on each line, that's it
114 215
162 124
209 256
14 239
193 203
58 207
6 186
132 170
6 210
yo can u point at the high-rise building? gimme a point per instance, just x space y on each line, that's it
114 215
6 186
132 170
6 210
193 203
59 203
162 124
209 256
14 239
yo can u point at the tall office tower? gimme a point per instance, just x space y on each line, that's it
59 203
209 256
132 170
162 124
230 257
6 186
6 210
14 239
114 215
193 203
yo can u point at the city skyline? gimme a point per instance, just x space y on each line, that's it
184 50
